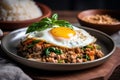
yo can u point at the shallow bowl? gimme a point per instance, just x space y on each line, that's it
107 28
10 48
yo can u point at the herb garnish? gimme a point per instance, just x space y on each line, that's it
48 23
86 56
47 51
33 43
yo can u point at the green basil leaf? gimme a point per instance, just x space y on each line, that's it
30 46
33 43
48 23
31 28
86 56
38 27
54 17
63 23
47 51
83 48
89 46
47 20
57 51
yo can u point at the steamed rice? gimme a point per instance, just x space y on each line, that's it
17 10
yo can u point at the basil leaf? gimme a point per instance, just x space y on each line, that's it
64 23
38 27
89 46
30 46
31 28
57 51
47 51
54 17
33 43
48 23
83 48
47 20
86 56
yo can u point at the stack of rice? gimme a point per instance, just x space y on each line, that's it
18 10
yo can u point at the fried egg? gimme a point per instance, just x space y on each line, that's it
64 37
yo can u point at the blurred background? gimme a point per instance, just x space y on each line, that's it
81 4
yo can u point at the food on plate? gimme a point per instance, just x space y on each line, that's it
18 10
100 19
58 41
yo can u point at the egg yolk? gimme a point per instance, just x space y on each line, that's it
63 32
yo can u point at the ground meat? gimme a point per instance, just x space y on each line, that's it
44 52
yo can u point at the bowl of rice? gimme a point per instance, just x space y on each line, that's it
16 14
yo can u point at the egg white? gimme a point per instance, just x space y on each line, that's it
81 39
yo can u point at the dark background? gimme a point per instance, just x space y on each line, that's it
81 4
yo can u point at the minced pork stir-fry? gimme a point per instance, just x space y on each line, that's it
41 51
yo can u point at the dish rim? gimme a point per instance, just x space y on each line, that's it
88 62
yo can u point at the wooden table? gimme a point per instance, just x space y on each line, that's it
103 72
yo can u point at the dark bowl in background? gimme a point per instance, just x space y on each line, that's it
106 28
12 25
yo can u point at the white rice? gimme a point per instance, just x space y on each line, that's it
18 10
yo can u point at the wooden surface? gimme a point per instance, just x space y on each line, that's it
102 72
